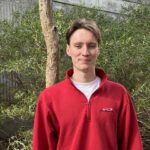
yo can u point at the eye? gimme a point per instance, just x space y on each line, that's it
78 46
92 46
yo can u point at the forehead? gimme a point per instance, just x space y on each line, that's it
82 35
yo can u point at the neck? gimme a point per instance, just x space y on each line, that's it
84 76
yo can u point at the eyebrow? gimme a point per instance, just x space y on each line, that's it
87 43
77 43
93 43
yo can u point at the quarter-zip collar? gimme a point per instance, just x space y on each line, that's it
99 72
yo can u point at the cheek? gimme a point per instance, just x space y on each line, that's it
75 53
74 56
95 54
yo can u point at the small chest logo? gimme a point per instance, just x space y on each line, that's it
107 109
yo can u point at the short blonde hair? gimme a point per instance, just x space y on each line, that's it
83 23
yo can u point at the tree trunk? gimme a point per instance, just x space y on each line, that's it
51 40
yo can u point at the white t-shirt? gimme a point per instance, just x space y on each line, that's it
88 88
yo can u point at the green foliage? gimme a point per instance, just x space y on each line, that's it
22 141
22 48
125 55
128 47
23 52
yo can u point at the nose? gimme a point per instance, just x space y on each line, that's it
85 51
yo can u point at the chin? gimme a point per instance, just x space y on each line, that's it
84 68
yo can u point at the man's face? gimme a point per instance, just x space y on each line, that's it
83 50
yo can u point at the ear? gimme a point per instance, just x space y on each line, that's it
68 50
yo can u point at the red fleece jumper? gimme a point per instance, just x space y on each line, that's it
65 120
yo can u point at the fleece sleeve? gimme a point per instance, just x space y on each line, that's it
44 135
128 132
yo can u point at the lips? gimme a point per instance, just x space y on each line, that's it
84 60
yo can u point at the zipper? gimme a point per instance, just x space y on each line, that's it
88 111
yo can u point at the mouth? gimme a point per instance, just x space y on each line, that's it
84 60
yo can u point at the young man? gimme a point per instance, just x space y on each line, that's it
86 111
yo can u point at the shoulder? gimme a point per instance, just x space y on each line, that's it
48 96
114 86
117 91
54 92
55 88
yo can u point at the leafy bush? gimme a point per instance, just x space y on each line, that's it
124 56
23 52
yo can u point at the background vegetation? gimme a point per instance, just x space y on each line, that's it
125 56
